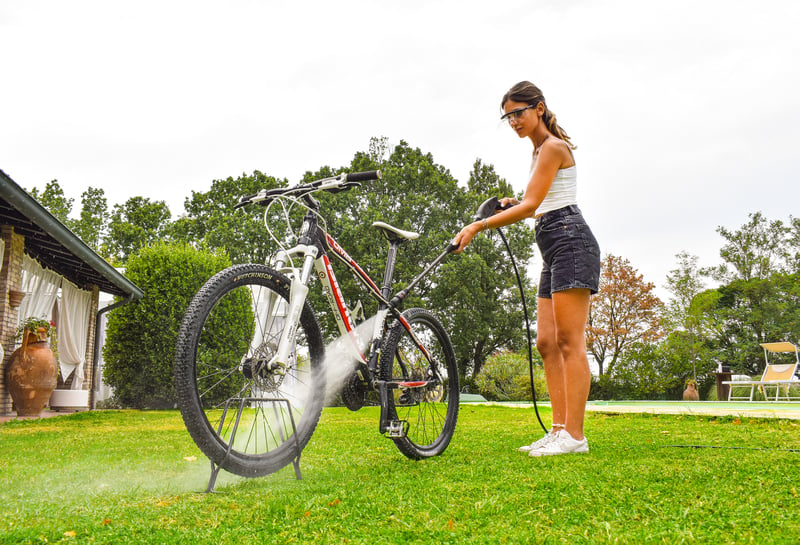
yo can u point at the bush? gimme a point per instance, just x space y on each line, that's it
140 339
604 388
644 371
506 377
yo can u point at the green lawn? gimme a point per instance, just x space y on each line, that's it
135 477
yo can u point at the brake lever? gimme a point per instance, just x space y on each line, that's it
347 186
244 201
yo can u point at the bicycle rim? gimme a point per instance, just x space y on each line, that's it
249 421
429 412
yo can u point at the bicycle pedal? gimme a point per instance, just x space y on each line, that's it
397 428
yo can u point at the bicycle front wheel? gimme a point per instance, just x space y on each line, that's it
426 374
246 418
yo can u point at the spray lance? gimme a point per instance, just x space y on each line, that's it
487 209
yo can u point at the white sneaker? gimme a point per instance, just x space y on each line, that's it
563 443
549 436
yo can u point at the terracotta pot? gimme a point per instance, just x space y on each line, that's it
31 375
690 393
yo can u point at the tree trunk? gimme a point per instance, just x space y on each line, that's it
477 358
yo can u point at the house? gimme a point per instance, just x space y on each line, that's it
38 249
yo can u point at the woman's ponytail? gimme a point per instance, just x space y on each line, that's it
528 93
549 119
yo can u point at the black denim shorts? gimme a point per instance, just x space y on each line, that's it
569 250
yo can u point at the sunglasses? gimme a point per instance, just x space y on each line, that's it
515 114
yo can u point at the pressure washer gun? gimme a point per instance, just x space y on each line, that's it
489 208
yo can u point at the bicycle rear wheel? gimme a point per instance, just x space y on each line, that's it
246 419
427 399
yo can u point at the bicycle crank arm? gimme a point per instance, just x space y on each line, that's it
391 428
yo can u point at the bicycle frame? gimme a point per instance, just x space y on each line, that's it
314 249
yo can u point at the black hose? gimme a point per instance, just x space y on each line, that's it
734 448
527 329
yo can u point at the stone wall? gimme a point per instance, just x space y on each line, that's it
10 279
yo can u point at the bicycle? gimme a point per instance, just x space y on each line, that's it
250 343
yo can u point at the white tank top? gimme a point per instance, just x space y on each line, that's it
563 192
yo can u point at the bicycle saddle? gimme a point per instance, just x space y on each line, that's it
394 234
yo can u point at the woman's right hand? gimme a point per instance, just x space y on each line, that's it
508 202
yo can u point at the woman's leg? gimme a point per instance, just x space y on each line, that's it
570 311
551 356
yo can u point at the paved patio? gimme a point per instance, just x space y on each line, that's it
45 414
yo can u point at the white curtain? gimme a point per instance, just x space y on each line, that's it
76 306
103 391
41 289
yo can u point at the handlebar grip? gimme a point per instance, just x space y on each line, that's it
363 176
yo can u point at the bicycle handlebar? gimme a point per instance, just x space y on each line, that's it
333 184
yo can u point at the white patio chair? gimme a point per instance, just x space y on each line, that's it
781 376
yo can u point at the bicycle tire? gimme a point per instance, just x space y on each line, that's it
430 412
222 339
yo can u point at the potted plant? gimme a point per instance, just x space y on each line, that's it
30 375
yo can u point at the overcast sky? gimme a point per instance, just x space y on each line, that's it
685 112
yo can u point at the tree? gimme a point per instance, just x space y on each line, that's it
54 200
141 336
473 293
758 299
93 222
684 283
638 374
212 222
134 225
740 315
625 310
794 245
756 250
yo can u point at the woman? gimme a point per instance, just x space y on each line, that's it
571 270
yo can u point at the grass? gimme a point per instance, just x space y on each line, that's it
135 477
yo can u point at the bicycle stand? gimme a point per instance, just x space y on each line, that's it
215 468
